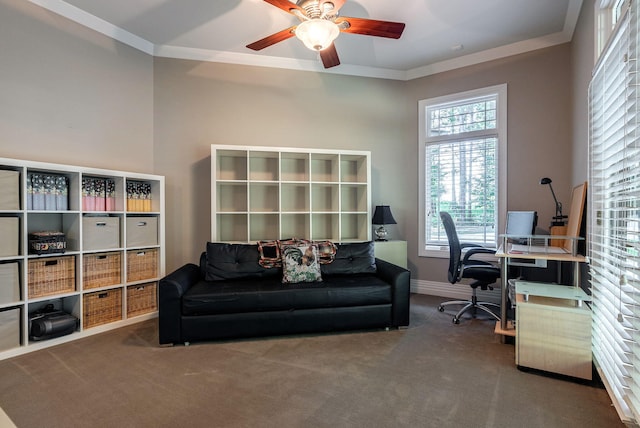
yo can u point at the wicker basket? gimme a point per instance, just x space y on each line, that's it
141 299
51 275
101 270
142 264
101 307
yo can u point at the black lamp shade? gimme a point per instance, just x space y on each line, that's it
382 215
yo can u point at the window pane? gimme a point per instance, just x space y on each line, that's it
465 117
461 179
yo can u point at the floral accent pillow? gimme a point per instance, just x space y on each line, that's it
300 264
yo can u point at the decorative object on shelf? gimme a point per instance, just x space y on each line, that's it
382 216
47 243
47 192
558 219
138 196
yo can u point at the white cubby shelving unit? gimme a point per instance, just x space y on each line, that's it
113 260
264 193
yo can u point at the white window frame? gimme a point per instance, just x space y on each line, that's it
500 133
607 16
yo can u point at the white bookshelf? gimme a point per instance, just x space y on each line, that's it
110 233
262 193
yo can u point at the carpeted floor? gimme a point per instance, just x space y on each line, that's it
433 374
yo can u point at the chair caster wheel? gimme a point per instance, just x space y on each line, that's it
441 308
456 320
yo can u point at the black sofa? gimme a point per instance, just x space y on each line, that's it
230 295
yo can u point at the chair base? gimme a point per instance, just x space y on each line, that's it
472 304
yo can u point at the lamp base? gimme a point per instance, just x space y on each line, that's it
381 234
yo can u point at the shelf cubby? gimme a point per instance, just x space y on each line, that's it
231 197
295 226
264 166
325 167
263 197
294 166
232 228
353 169
231 165
353 198
324 197
295 197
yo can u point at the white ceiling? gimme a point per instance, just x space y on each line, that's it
440 35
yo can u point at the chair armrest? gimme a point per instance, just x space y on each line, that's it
170 291
400 280
476 250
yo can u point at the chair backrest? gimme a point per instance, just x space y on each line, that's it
455 250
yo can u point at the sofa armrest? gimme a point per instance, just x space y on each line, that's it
400 279
170 291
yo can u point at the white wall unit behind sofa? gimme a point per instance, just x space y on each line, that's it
262 193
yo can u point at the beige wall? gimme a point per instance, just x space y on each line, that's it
71 95
74 96
582 62
198 104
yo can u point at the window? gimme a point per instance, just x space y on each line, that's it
608 14
614 214
462 140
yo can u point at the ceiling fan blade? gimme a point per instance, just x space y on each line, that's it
329 56
372 27
285 5
273 39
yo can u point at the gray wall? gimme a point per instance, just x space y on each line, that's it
78 97
70 95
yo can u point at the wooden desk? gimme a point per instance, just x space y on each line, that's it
576 259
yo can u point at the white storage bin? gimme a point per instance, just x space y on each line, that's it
9 282
10 232
142 231
100 233
9 190
9 329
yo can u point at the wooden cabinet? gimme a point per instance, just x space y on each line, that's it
67 245
553 329
262 193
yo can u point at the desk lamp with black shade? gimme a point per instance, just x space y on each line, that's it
381 216
558 224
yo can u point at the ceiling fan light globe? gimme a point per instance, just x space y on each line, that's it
317 34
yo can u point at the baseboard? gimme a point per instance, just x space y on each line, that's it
453 291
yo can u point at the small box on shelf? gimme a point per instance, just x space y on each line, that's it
52 242
9 190
100 232
47 191
142 231
139 196
141 299
101 307
10 232
51 275
9 328
9 282
101 270
142 264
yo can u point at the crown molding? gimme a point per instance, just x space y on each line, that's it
90 21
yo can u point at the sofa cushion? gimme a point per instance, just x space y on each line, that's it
232 261
300 264
352 258
270 294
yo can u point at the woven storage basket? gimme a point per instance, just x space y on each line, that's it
52 275
101 270
101 307
141 299
142 264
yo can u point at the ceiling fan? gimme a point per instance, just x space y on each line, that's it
320 25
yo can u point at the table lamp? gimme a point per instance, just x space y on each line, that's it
382 216
558 219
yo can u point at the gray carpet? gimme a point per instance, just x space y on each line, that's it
433 374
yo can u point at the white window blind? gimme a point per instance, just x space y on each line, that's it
614 215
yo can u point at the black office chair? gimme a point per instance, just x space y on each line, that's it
483 273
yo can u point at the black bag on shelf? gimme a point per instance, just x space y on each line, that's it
47 323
